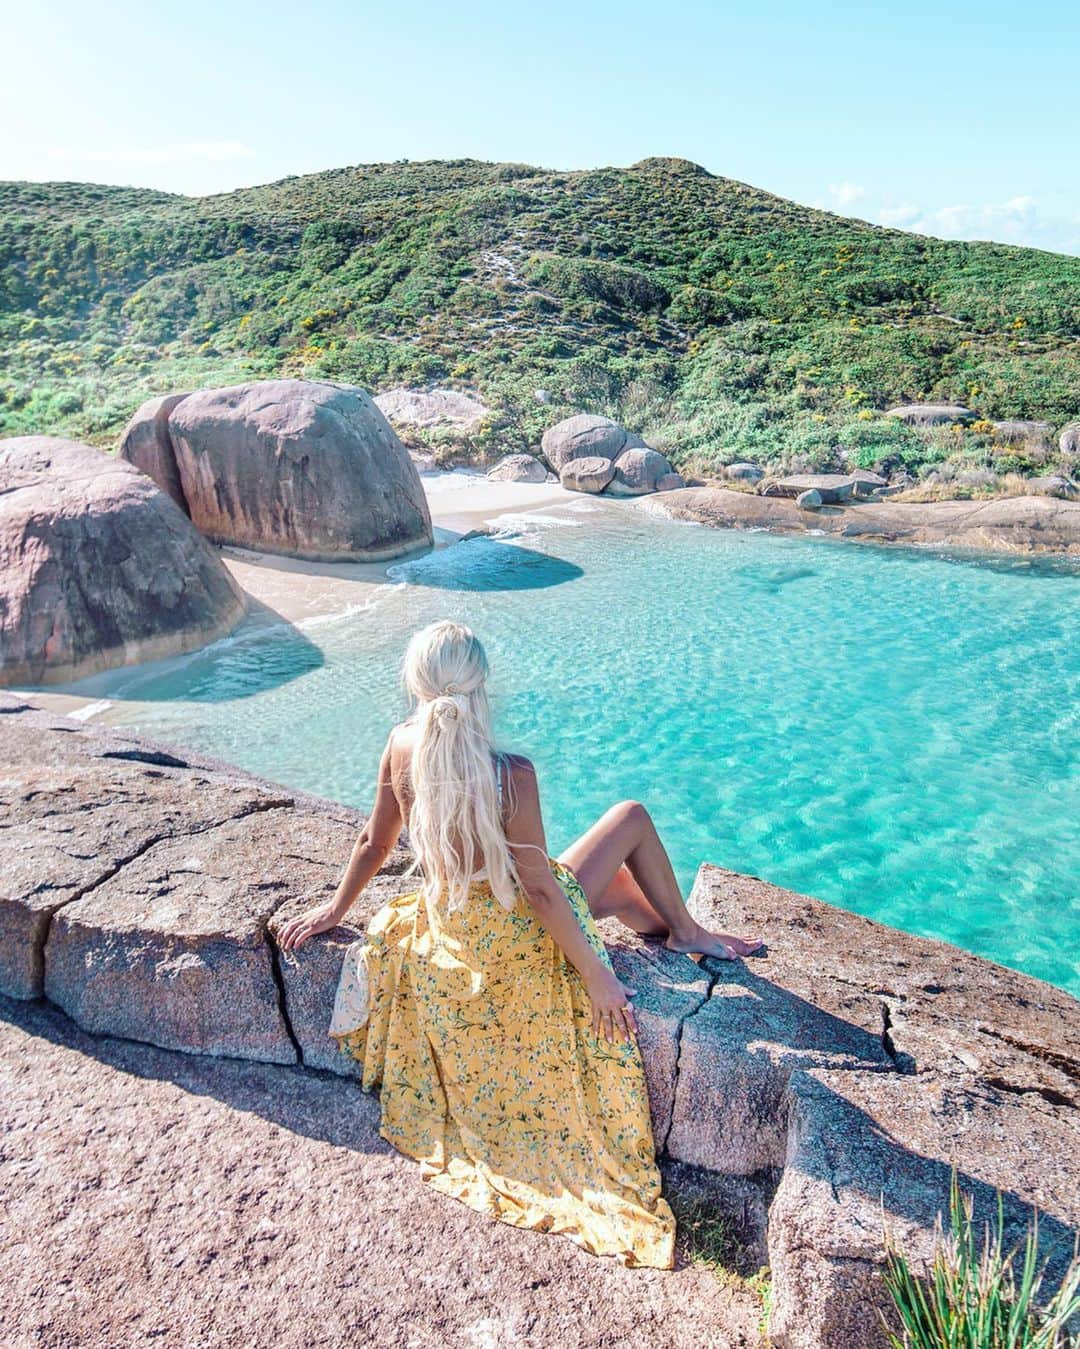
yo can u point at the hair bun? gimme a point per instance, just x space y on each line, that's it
445 708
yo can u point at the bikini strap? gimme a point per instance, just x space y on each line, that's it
498 775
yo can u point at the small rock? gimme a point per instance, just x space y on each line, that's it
592 473
833 488
518 468
1056 485
976 477
932 414
1021 433
1069 443
810 500
744 473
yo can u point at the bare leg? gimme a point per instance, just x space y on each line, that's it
626 834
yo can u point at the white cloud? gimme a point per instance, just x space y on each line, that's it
1011 220
846 193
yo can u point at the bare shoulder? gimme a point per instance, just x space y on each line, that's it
518 766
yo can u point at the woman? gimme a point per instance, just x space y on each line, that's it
484 1005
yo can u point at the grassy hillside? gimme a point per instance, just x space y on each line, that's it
718 320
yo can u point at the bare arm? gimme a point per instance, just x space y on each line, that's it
528 847
370 851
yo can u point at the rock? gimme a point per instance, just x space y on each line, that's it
866 484
833 488
932 414
830 1081
1024 524
744 473
590 474
299 467
670 482
518 468
809 500
430 407
1069 441
425 463
582 437
98 567
975 477
145 443
205 1189
542 395
1055 486
865 1061
1021 433
637 472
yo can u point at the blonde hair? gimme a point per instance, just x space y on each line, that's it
455 824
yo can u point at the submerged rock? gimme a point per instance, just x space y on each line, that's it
589 474
582 437
518 468
98 567
932 414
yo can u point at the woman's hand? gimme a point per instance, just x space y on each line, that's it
297 930
612 1014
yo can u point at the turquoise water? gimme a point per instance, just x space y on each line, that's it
891 731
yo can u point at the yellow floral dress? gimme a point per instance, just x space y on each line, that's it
476 1030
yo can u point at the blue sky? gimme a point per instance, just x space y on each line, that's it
957 119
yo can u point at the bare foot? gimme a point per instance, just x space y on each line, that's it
717 944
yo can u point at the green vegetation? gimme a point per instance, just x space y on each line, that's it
973 1299
719 321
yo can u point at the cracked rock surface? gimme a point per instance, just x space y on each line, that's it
826 1086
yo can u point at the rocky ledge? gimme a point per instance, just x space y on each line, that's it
1026 524
827 1087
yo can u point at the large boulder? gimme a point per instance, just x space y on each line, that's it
582 437
589 474
299 467
98 567
932 414
145 442
518 468
1069 441
637 472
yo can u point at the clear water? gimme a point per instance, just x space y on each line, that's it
891 731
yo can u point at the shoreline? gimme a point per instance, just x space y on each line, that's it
282 589
1019 526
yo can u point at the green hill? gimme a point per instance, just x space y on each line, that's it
718 320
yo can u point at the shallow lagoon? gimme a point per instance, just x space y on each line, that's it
889 730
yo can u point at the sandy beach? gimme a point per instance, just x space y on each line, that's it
302 593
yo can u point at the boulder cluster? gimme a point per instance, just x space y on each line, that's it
107 560
594 454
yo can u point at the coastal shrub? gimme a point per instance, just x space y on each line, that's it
974 1296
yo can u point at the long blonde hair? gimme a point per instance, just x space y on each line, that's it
455 824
